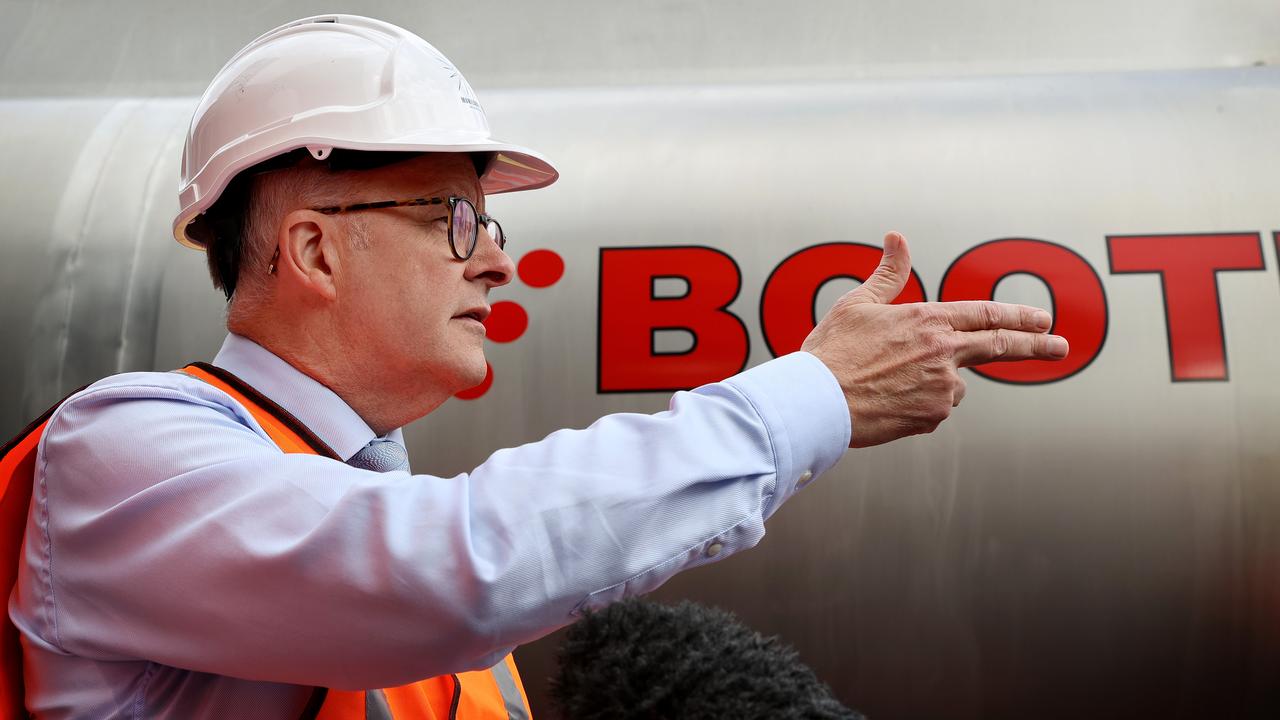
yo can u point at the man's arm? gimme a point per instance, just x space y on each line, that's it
169 528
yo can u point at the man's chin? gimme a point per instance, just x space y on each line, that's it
455 371
473 374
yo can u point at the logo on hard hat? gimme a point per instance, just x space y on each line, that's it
465 93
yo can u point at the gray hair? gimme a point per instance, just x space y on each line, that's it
271 196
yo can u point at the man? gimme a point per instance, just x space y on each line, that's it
191 552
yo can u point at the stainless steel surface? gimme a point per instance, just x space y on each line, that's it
152 47
1104 546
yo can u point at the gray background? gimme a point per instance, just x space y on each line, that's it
151 47
1103 546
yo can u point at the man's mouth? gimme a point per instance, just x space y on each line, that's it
478 314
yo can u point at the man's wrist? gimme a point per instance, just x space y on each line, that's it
805 413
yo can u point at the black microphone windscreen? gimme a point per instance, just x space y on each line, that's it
639 659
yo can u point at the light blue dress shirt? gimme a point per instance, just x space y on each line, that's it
178 565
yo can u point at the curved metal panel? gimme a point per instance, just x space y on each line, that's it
1105 544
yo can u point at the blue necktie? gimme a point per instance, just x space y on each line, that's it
381 455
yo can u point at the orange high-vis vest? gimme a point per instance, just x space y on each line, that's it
493 694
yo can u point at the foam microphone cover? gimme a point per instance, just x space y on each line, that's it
642 660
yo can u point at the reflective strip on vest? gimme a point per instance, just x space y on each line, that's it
493 694
512 693
375 706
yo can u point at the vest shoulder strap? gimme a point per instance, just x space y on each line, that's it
280 425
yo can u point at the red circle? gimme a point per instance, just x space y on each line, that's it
506 322
1079 302
540 268
478 390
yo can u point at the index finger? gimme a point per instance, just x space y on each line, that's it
969 315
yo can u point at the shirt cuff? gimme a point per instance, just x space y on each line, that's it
806 415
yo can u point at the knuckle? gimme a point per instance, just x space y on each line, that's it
939 344
1027 317
1030 344
991 313
938 317
930 314
936 385
886 270
936 411
1040 345
844 306
999 343
1029 347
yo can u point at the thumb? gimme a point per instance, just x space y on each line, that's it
890 276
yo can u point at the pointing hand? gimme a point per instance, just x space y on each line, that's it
897 364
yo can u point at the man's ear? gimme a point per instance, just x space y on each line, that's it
308 252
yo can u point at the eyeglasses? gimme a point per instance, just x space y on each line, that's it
464 221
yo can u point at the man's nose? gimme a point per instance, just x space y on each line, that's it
490 262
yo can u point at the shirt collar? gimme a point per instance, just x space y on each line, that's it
316 406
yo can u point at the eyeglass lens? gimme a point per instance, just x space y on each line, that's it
464 228
495 232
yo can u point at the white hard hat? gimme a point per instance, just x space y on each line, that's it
338 82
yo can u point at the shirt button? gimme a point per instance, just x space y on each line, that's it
804 478
714 549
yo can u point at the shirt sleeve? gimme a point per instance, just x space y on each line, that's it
168 527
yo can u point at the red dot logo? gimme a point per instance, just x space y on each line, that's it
509 320
540 268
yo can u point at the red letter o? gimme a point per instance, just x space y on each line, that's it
786 303
1079 302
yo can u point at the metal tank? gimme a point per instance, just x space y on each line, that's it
1101 545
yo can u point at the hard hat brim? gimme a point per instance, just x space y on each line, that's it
510 169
